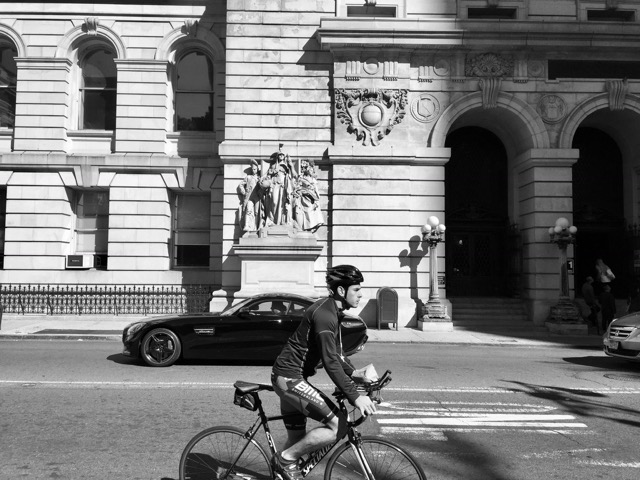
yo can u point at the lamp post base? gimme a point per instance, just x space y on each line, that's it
435 318
565 318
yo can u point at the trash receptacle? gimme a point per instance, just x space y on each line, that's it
387 308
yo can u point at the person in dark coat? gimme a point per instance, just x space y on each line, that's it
590 299
608 306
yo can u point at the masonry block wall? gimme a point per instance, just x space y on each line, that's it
140 163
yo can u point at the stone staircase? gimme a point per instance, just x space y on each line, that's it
490 314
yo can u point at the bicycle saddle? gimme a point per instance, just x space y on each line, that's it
246 387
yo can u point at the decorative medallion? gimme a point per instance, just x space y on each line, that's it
535 68
551 108
441 67
488 65
371 66
425 108
370 114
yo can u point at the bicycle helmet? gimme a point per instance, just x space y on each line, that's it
343 275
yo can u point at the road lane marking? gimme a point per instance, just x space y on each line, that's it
221 385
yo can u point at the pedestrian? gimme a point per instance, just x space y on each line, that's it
608 306
590 299
604 275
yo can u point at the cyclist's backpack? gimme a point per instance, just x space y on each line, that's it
246 400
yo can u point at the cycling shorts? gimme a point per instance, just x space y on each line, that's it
299 400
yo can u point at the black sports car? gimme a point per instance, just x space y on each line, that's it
255 329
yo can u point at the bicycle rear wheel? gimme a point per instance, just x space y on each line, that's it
386 460
211 453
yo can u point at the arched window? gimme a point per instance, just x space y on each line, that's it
8 77
98 90
193 93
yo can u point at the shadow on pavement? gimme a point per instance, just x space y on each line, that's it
609 363
581 402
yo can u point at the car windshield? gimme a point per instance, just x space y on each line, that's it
236 308
268 306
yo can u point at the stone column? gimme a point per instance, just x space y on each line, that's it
544 192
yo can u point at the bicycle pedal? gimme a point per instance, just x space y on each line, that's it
278 477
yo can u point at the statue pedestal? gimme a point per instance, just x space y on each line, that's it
279 259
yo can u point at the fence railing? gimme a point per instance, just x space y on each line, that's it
104 299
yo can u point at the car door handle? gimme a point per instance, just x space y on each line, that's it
205 331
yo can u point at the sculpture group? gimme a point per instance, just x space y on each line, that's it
280 195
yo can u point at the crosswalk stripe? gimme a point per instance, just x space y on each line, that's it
422 417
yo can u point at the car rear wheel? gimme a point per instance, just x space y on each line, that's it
160 348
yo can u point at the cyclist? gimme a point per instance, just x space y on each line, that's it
318 339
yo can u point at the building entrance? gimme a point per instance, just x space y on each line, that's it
598 210
477 238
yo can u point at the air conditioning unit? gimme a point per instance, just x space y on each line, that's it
80 261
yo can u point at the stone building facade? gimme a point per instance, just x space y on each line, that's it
126 128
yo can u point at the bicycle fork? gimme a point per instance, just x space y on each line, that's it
355 441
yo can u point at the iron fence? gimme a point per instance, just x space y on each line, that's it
104 299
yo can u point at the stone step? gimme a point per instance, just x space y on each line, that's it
489 312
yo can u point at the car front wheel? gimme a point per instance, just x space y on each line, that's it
160 348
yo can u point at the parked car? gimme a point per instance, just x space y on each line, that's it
254 329
622 338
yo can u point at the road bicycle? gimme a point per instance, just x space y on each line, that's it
230 453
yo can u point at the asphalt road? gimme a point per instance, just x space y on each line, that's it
80 410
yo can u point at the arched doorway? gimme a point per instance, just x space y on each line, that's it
476 214
598 209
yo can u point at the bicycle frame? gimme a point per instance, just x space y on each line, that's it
315 457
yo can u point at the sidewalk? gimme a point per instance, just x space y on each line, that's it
110 328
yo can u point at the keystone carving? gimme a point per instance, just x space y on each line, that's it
490 87
91 25
190 27
618 90
488 65
370 113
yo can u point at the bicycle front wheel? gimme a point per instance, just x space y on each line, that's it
223 453
385 460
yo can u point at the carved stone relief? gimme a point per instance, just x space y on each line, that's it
425 108
488 65
370 113
551 108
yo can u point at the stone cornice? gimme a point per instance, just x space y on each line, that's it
343 33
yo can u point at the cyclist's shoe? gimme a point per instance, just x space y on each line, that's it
285 470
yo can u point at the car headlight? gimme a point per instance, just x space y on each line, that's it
132 329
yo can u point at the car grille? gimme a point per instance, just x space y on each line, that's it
625 352
620 333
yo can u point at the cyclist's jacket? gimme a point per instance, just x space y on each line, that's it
318 339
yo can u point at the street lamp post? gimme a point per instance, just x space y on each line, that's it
563 234
432 234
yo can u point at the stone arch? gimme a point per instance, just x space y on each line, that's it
15 37
203 38
536 131
586 108
70 40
